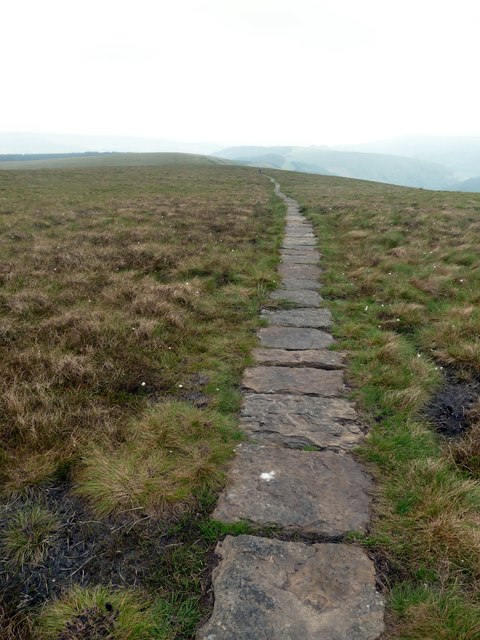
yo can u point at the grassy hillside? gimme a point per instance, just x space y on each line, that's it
112 160
366 166
402 278
129 298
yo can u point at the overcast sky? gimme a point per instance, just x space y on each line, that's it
241 71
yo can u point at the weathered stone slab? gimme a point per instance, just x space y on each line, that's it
298 242
308 271
298 223
275 590
299 259
299 232
294 338
318 318
302 297
301 283
299 421
310 492
292 380
303 251
317 358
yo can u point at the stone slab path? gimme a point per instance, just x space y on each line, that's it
296 477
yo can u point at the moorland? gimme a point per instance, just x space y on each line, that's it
129 299
128 302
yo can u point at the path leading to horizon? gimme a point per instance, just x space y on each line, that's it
295 480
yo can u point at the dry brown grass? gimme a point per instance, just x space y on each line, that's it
108 281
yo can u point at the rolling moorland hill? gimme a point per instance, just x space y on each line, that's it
97 160
378 167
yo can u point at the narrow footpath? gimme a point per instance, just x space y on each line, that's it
295 479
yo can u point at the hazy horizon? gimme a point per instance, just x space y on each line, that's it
263 72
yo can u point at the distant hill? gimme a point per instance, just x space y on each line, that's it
472 184
461 154
377 167
72 161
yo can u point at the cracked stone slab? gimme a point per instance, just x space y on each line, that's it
309 492
302 297
299 421
293 380
294 338
275 590
317 358
317 318
308 271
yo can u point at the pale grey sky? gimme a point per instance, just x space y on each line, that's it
241 71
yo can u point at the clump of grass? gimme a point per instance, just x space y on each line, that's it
99 612
443 614
465 451
29 534
172 453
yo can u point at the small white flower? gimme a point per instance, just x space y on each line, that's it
180 385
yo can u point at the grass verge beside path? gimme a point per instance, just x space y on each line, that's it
402 278
129 299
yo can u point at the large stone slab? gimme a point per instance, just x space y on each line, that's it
319 358
308 271
296 381
294 338
309 492
317 318
302 297
288 258
298 242
298 231
274 590
304 251
299 421
301 283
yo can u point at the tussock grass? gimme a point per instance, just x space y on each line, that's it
170 454
99 613
401 277
29 534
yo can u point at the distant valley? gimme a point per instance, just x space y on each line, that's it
399 162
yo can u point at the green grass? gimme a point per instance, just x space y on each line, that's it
402 283
28 536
